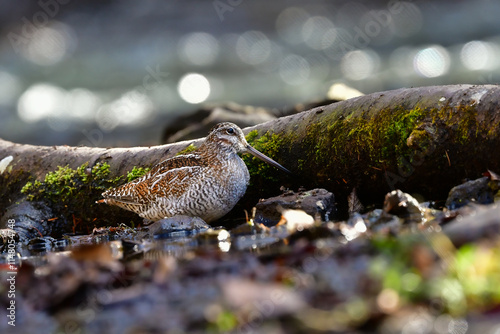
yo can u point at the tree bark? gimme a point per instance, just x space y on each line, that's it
421 140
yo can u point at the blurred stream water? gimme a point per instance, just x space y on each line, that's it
114 73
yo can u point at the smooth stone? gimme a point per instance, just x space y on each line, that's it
176 223
404 206
313 202
478 191
472 226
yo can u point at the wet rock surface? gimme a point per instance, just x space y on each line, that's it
481 191
314 202
474 223
175 224
31 219
404 206
373 272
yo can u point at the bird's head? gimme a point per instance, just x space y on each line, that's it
230 138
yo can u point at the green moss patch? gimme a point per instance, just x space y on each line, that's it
188 149
71 192
72 195
268 144
382 138
65 183
137 172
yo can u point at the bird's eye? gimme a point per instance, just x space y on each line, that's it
230 131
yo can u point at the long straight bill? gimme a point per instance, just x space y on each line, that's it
265 158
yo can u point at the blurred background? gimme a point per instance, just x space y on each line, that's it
115 73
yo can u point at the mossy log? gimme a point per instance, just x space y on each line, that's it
422 140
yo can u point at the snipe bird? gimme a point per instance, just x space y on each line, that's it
206 183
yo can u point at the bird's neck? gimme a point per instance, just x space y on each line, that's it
214 150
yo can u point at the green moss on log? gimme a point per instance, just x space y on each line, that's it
270 144
137 172
65 184
188 149
341 143
389 137
74 192
378 139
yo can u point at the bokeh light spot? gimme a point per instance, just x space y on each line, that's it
477 55
253 47
40 101
131 109
194 88
401 61
82 103
388 300
49 45
314 31
432 62
359 64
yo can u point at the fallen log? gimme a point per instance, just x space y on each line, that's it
421 140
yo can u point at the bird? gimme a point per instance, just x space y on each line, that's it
206 183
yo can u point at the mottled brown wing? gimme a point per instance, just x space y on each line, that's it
168 178
187 160
129 193
174 182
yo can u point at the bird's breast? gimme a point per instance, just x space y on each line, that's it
235 178
225 188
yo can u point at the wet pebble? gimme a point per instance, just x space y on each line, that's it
60 244
246 229
254 241
314 202
248 297
382 222
404 206
477 222
316 232
177 226
481 191
31 219
296 220
40 245
213 236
